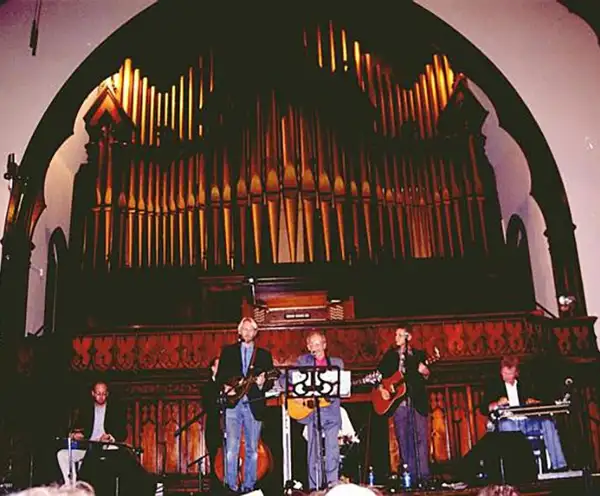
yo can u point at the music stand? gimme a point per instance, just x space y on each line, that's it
313 382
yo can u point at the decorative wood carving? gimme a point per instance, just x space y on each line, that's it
359 343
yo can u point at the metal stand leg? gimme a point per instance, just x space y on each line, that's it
286 442
71 481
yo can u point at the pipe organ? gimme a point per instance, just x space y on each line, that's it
198 174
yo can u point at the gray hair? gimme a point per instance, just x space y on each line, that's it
80 488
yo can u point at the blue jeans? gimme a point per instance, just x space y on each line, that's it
543 426
413 439
238 418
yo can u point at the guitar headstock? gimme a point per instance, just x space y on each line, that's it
435 357
372 378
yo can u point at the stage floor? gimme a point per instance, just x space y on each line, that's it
570 483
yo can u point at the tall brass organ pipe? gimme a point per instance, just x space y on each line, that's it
288 189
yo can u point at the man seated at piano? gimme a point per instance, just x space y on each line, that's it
508 391
98 432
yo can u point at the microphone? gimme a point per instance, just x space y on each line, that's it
567 395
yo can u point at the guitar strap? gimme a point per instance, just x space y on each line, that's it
402 360
252 360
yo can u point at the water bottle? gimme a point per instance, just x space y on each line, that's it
406 478
371 476
481 475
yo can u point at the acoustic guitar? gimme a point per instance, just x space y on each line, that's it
300 408
396 386
241 385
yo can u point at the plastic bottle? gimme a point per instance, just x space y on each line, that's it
406 478
371 476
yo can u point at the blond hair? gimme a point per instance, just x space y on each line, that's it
315 332
247 320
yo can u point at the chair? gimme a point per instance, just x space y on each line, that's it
540 453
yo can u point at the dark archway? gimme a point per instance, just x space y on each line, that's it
517 242
184 23
56 274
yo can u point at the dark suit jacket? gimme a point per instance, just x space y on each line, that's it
496 388
230 366
115 419
415 382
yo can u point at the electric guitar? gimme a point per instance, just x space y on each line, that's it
396 386
300 408
241 385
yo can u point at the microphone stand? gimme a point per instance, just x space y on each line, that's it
222 401
178 433
187 425
322 477
412 424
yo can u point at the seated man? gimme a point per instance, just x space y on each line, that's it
103 421
506 390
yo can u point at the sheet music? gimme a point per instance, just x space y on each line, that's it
325 383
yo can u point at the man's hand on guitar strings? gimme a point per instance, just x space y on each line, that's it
385 394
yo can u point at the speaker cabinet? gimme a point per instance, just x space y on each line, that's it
502 457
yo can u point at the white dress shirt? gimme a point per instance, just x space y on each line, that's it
99 415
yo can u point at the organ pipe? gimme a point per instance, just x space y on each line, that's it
289 186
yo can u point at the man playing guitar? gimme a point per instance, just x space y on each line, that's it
331 419
411 409
244 360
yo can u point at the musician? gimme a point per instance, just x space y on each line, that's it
507 390
104 420
244 359
331 419
96 422
410 415
213 432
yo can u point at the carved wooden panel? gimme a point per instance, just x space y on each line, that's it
152 426
359 343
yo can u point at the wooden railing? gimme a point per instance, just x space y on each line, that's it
359 343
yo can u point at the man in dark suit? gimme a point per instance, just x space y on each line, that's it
244 359
104 421
410 415
506 390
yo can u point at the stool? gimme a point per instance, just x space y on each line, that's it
539 452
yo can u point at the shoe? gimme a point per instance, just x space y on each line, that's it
559 469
